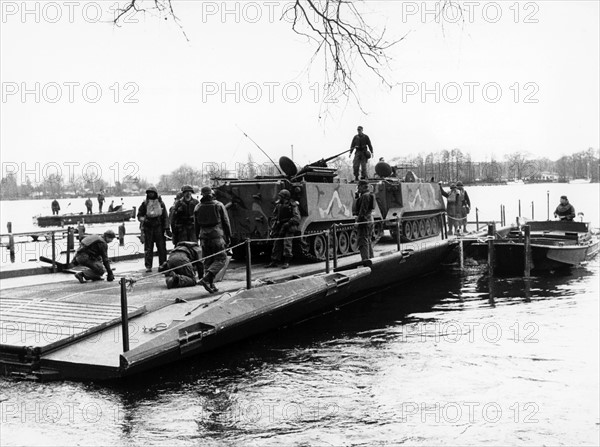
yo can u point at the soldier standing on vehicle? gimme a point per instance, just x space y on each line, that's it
361 143
182 217
154 223
88 205
286 219
452 208
363 207
185 259
93 254
214 231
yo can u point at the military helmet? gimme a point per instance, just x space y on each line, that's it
285 194
206 191
109 233
185 188
151 189
452 185
459 183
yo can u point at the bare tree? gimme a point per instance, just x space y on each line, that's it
337 29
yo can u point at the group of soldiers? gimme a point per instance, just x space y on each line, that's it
187 222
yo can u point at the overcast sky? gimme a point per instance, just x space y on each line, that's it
508 78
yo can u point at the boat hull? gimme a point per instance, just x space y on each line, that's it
74 219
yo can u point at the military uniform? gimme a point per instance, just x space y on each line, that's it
361 143
93 254
214 231
285 224
363 207
154 223
182 218
179 259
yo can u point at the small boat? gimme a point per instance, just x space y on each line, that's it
580 181
96 218
554 245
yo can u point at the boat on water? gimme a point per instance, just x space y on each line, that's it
554 245
580 181
60 220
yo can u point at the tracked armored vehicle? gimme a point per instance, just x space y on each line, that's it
324 201
419 206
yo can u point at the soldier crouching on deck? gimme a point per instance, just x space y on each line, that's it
181 258
93 254
286 219
214 231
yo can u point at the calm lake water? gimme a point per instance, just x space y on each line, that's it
434 361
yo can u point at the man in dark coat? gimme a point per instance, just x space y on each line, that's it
101 200
154 220
285 223
89 205
363 207
361 143
565 211
55 207
93 254
185 259
182 217
214 231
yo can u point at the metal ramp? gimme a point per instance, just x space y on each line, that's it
30 328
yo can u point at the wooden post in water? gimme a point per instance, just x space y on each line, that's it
327 244
11 242
519 207
491 253
53 252
477 218
122 235
532 210
548 204
248 265
70 243
80 231
398 237
461 255
335 246
501 214
527 250
124 318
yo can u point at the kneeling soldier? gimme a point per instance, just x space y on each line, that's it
93 254
181 259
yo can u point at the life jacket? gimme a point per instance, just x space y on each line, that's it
153 208
207 214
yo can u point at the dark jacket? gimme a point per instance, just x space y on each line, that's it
286 217
211 220
363 206
565 212
361 143
183 213
162 220
96 248
55 205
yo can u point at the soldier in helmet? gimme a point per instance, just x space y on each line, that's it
185 259
93 254
182 217
154 222
285 222
363 207
214 231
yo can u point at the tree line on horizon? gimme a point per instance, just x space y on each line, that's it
445 166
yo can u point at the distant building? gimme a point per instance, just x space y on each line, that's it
549 176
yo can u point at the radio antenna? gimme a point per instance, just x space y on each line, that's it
260 148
